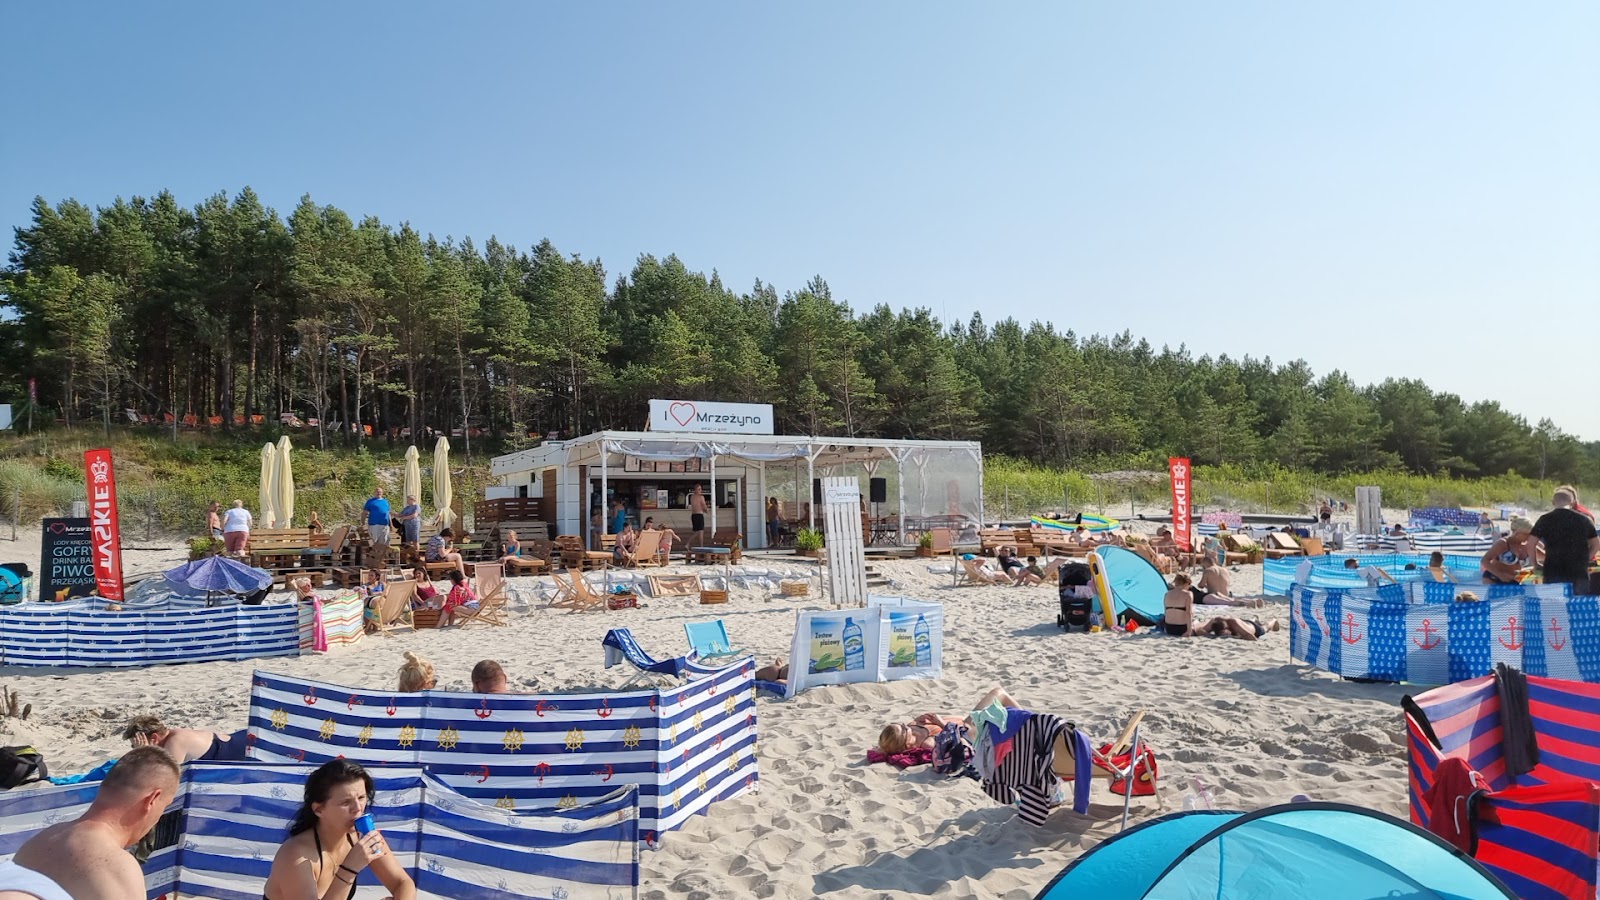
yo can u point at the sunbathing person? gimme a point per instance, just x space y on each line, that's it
1228 626
460 595
323 856
488 678
427 596
1032 573
627 543
416 674
918 734
512 548
303 591
1214 586
1179 602
184 744
85 859
1508 556
778 672
439 549
1006 559
668 536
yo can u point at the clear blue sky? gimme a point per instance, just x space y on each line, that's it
1395 189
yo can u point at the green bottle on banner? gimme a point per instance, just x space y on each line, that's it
855 655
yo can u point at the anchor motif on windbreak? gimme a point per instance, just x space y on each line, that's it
541 706
391 709
483 711
310 696
353 702
1349 631
543 769
1427 631
483 774
1514 631
606 773
604 711
1555 632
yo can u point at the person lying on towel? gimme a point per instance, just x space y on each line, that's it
185 744
898 737
1179 618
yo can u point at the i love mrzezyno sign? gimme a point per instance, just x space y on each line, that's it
705 417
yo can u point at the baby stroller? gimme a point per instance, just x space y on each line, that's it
1077 596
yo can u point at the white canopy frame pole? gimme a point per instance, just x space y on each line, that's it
900 491
715 500
978 455
761 475
605 493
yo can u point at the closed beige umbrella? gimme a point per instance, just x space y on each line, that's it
442 495
283 486
269 466
413 479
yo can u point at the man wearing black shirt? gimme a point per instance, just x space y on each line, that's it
1569 544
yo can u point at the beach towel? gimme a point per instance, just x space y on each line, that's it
1024 774
919 756
1518 741
1456 789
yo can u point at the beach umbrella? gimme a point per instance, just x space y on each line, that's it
283 485
220 574
413 479
441 482
269 466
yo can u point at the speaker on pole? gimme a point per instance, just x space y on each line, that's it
880 490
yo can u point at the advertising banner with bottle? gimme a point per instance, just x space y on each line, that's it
892 638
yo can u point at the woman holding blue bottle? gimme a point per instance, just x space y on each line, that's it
332 839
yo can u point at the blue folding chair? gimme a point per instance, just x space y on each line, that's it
622 647
709 641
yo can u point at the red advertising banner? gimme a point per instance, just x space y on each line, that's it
104 531
1179 468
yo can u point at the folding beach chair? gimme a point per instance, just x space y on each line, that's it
647 551
969 574
491 597
575 594
622 647
709 641
394 607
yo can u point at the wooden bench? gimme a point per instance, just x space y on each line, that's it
574 556
535 558
724 539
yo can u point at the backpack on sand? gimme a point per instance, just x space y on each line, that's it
20 765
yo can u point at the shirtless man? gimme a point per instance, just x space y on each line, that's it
85 859
1213 586
697 516
184 744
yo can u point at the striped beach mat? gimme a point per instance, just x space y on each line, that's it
230 818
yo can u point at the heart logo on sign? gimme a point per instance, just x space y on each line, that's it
682 413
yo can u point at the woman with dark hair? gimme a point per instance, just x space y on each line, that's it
323 855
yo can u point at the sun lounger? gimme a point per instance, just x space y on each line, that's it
576 594
622 647
673 585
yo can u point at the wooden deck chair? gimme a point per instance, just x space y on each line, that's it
394 607
565 597
674 585
647 550
1065 767
942 542
970 574
491 597
580 598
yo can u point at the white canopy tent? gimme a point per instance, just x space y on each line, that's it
929 483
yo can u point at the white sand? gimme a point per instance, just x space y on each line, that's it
1236 715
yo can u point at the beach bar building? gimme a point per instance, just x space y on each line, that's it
909 486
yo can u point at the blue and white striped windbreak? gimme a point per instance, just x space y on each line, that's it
232 818
685 747
85 633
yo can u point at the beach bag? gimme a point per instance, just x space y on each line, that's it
952 752
1144 773
20 765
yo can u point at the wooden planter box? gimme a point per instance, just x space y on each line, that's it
794 588
811 553
925 552
709 597
425 618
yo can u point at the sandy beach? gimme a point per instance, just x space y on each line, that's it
1238 716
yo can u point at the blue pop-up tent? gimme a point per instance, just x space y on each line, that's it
1308 851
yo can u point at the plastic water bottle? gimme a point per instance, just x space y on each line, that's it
924 643
1199 798
855 656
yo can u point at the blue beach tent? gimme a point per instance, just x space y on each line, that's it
1308 851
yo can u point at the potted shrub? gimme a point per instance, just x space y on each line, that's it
925 544
202 547
807 541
